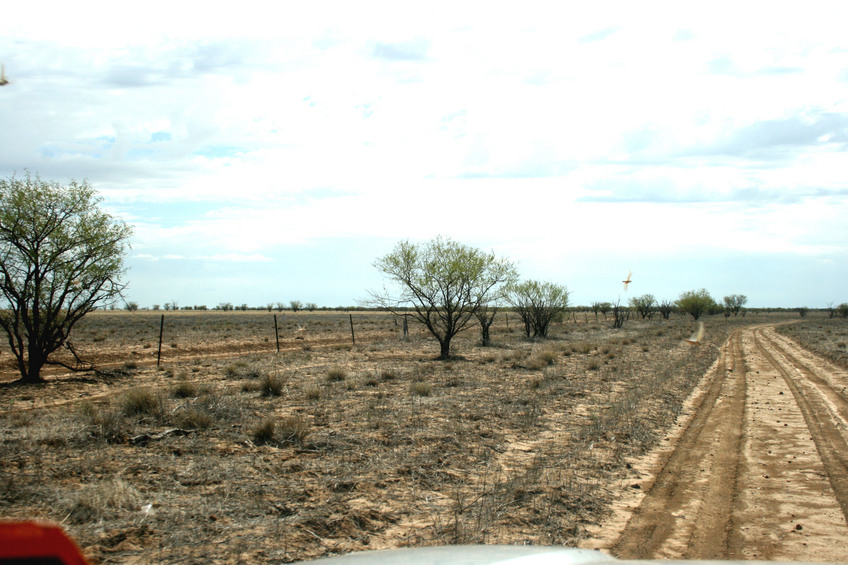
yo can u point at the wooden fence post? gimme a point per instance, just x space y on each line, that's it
276 334
352 335
161 328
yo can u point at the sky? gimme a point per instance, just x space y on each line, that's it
267 152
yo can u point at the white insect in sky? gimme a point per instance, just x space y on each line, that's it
695 338
627 280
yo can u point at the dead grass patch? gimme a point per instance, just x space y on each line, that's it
402 450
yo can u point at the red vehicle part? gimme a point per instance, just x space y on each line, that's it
28 543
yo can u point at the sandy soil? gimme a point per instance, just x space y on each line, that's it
757 469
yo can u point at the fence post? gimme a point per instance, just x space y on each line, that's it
276 334
405 326
161 327
352 335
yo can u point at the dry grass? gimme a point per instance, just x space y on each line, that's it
525 442
826 337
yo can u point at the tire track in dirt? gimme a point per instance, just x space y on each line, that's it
705 461
761 469
823 409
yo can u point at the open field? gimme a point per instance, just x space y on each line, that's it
230 452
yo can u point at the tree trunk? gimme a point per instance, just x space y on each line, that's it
34 364
445 348
484 328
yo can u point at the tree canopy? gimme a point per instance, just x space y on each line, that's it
538 303
61 257
444 282
734 303
696 302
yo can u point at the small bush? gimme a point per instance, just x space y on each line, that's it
547 356
336 374
195 418
536 364
292 429
388 374
251 386
184 389
314 393
421 388
222 405
272 386
108 423
265 431
371 380
235 370
141 402
583 347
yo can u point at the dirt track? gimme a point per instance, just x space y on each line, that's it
758 469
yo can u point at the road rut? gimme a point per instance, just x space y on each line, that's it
759 470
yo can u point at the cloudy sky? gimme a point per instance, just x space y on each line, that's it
269 152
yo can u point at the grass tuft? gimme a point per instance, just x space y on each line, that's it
421 388
141 401
265 431
272 386
292 429
336 374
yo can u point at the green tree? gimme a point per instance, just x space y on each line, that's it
696 302
645 305
486 316
538 304
443 282
734 303
61 257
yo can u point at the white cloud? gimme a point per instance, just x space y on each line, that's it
227 136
